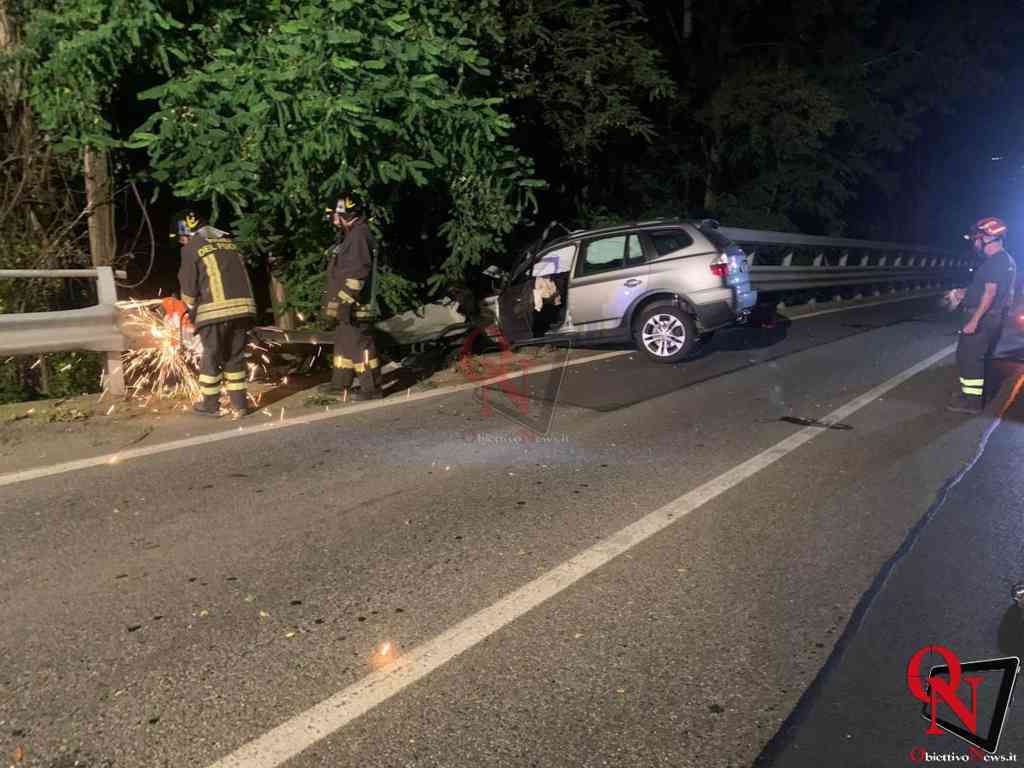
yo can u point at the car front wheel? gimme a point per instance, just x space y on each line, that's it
665 333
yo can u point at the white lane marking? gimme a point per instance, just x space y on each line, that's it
924 295
291 737
190 442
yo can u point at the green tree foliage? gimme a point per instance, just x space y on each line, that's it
270 110
767 137
587 71
798 115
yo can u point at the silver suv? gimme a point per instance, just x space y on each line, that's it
664 285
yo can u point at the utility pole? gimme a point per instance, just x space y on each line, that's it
98 197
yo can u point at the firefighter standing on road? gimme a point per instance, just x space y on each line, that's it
350 268
987 300
216 287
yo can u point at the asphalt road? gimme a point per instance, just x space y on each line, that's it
177 608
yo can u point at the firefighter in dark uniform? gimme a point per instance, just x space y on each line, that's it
216 288
987 300
351 265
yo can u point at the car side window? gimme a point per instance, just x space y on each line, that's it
603 255
669 241
555 262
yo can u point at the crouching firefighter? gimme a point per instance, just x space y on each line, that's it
216 288
351 266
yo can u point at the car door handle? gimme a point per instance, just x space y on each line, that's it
632 282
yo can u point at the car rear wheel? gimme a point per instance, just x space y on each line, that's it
665 333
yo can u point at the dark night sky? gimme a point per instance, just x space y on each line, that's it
964 180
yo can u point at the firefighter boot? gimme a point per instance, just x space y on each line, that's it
369 387
208 406
341 380
239 403
969 404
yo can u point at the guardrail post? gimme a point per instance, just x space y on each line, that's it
113 373
819 258
106 288
787 260
844 259
106 293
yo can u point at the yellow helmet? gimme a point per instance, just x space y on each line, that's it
189 222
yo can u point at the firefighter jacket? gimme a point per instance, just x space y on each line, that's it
349 273
213 278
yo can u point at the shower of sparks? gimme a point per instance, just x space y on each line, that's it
165 363
166 367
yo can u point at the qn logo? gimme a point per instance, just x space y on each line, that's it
950 694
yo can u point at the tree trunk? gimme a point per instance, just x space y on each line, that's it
98 196
283 320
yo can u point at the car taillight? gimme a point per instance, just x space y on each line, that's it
720 266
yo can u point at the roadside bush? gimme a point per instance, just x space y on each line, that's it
56 375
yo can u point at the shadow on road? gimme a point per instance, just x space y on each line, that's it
745 337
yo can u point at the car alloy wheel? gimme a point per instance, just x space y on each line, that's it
663 335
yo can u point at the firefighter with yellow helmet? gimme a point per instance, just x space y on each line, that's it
215 286
346 300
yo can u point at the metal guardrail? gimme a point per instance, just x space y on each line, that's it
785 262
781 262
96 328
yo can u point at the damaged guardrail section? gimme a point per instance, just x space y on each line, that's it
782 262
96 328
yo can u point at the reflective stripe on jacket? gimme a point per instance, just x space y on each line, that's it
214 279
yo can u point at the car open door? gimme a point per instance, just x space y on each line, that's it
515 309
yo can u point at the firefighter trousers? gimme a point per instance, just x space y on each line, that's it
224 361
355 354
973 352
